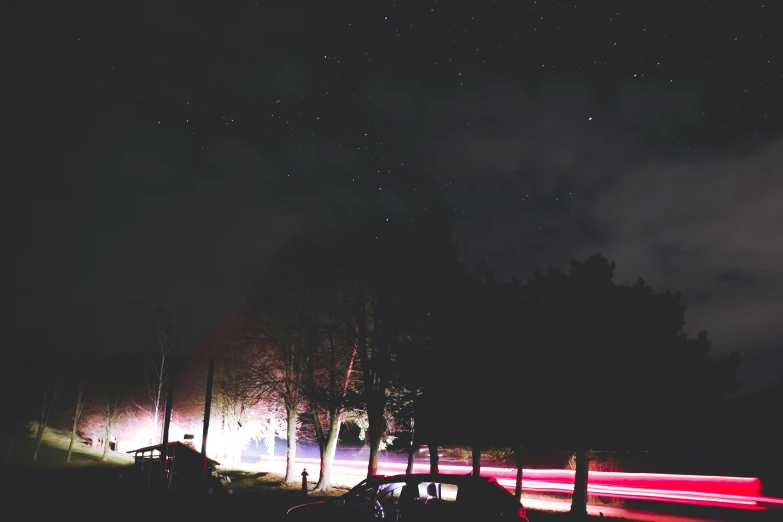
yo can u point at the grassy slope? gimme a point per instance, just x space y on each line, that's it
54 448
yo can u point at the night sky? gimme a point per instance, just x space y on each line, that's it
159 151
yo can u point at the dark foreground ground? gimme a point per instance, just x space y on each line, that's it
106 493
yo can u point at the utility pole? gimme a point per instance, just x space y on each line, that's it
207 408
166 423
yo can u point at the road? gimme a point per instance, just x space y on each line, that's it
738 493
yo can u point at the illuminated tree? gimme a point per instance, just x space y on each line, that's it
376 340
236 400
330 381
156 380
364 290
159 352
286 306
76 414
395 277
270 424
232 418
269 371
104 419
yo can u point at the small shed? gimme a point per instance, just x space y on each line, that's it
185 465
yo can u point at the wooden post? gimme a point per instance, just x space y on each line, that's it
476 460
149 466
518 489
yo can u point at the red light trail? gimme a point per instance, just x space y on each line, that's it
729 492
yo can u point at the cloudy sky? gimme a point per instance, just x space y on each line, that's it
161 150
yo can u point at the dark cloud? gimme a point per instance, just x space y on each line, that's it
708 225
543 176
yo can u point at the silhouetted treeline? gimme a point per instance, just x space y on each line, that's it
381 326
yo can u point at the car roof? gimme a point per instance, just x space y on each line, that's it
430 477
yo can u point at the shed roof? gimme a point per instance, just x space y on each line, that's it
177 443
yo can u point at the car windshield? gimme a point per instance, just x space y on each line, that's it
360 494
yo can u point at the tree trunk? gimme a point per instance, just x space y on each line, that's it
155 439
579 499
76 416
476 457
73 433
433 458
518 489
375 432
290 458
106 443
38 438
321 463
321 439
412 447
325 479
270 439
411 458
70 448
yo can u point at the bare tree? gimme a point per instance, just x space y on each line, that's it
76 417
330 379
47 403
291 392
278 350
247 398
286 307
109 415
265 422
271 425
156 374
233 403
278 370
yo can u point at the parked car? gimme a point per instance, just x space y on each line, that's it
417 498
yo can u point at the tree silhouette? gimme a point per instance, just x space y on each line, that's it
286 306
395 274
330 388
597 342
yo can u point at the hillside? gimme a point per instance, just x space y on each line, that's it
54 448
